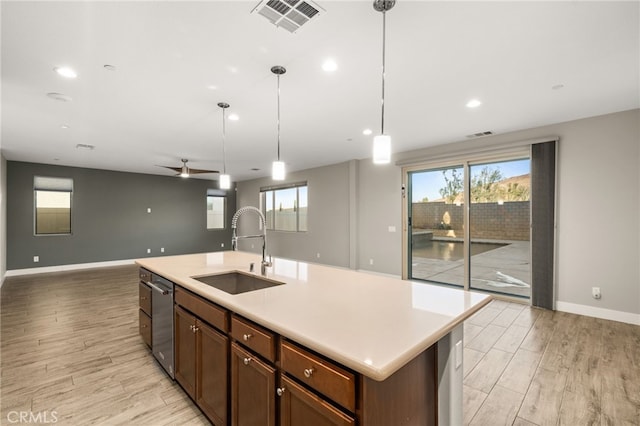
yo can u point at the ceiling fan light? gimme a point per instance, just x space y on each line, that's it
184 172
278 171
382 149
225 181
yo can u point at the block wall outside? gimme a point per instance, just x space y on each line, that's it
508 221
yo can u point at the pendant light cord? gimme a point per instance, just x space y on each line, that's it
384 29
278 117
224 137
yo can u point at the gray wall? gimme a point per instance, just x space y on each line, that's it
598 159
109 217
3 218
328 217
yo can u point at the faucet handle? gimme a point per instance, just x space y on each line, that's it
251 265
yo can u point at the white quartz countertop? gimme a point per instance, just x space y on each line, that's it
370 323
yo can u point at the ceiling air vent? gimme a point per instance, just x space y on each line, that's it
480 134
288 14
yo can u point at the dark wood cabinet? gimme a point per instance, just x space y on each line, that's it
253 389
185 350
298 406
241 373
202 364
144 303
212 372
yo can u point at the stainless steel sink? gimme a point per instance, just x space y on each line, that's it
237 282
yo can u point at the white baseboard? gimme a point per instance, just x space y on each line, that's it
59 268
592 311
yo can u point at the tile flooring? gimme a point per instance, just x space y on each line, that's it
69 345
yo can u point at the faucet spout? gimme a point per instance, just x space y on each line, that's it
234 237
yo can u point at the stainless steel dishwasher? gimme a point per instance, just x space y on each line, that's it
162 321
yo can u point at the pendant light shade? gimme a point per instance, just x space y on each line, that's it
382 149
225 180
278 168
382 142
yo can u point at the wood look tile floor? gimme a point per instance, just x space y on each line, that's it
69 347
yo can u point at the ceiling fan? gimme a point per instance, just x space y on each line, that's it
186 171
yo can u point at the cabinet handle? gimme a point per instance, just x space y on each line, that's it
143 298
144 325
308 372
246 337
280 391
246 361
191 327
195 329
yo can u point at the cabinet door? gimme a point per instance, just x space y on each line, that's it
253 390
212 373
299 406
185 350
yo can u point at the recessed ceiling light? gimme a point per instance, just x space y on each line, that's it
557 86
109 67
367 132
329 65
59 97
234 117
85 146
473 103
64 126
212 87
66 72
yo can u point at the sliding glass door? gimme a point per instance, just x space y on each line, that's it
499 227
436 225
493 254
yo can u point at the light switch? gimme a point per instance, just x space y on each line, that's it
392 228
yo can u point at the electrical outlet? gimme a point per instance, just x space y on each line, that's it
459 354
370 261
36 259
148 209
161 249
595 292
221 244
148 251
392 228
318 255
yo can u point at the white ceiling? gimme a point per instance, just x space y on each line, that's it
157 108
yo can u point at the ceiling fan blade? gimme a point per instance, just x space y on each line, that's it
197 171
175 169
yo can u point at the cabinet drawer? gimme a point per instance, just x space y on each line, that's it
214 315
298 406
145 327
327 378
254 337
145 276
144 295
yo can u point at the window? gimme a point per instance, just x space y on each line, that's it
285 207
216 209
52 205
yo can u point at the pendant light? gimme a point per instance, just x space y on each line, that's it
278 169
382 142
225 179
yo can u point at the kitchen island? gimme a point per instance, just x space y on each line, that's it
378 332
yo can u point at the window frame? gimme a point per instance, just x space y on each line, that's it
45 184
270 219
215 193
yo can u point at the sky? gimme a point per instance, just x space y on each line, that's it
428 184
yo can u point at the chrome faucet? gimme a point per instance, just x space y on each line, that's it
234 238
